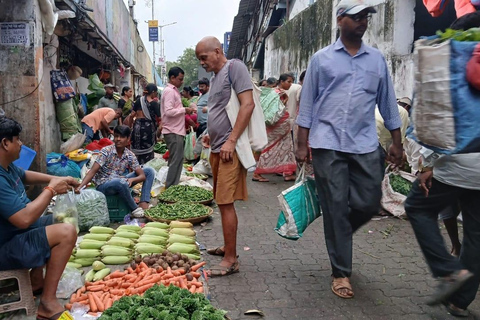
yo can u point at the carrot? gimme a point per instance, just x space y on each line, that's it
68 306
99 303
111 283
196 284
144 288
126 285
148 272
198 266
182 283
91 301
167 276
93 314
196 274
200 290
115 274
108 303
96 288
176 273
142 265
130 270
73 297
79 298
169 270
148 281
131 276
181 271
84 302
193 289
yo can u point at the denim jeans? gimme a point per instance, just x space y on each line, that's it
89 133
423 212
120 186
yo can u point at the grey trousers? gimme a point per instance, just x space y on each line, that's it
349 190
175 159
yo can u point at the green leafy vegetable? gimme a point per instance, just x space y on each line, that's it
400 184
185 193
160 148
460 35
180 210
161 302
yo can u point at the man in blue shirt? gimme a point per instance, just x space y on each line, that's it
29 240
343 83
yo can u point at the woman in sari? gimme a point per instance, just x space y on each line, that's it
278 155
143 137
125 103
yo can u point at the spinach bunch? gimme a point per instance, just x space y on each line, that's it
400 184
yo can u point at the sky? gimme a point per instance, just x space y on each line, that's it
194 20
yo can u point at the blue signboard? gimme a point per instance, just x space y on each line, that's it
153 34
226 41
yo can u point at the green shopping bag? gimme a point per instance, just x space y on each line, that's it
300 207
190 141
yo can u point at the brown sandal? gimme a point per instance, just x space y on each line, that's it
221 271
342 283
219 251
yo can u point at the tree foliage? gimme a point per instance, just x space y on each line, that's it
189 63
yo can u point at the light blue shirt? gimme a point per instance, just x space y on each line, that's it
339 95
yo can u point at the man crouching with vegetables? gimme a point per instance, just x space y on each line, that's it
29 240
116 170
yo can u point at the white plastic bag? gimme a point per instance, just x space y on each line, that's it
392 201
70 281
202 167
162 175
195 182
73 143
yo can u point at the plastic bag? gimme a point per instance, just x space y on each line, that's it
392 201
73 143
195 182
65 210
300 207
156 164
59 165
79 155
190 141
70 281
92 209
202 167
162 175
273 108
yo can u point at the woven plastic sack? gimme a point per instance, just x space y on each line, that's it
59 165
68 119
300 207
73 143
394 202
61 85
273 108
65 210
92 209
190 141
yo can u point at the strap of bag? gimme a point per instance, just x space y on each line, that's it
301 174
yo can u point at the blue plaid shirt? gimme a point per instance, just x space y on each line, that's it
339 95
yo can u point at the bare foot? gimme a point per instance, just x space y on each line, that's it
48 309
259 178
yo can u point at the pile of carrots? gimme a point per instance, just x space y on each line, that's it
100 295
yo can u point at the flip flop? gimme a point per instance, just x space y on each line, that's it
455 311
448 287
216 251
260 180
221 271
56 316
339 284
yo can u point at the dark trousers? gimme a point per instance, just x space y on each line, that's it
349 190
201 128
175 158
423 215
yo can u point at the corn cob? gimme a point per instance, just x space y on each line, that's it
183 248
148 248
74 265
89 276
176 238
120 242
193 256
87 253
180 224
160 225
97 236
71 258
129 228
155 231
116 259
127 235
85 262
102 230
146 238
98 265
91 244
183 231
115 251
99 275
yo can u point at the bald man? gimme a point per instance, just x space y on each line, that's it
229 176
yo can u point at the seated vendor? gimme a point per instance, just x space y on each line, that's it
117 169
29 240
99 121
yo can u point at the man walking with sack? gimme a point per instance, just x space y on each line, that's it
343 83
229 175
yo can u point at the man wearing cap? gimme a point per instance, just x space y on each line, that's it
343 84
108 101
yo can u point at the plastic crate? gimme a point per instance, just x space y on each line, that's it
26 158
117 208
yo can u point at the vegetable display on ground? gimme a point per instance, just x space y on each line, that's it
160 148
185 193
177 211
400 184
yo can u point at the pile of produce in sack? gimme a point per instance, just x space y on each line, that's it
65 210
177 211
395 187
185 193
447 121
59 165
92 209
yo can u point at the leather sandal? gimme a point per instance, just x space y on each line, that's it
340 284
221 271
219 251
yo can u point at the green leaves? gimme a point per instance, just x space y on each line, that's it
179 210
185 193
460 35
